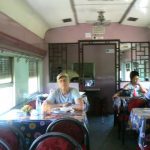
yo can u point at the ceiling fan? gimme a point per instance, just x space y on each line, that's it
98 27
101 21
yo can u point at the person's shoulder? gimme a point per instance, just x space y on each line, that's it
72 89
56 91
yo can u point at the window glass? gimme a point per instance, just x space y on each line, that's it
6 86
6 98
134 56
88 69
5 69
33 76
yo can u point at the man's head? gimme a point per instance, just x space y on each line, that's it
63 80
134 76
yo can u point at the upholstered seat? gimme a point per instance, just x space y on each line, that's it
13 137
71 127
4 145
54 141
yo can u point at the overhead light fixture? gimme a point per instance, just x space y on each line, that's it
143 3
143 6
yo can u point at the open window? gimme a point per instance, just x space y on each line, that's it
6 83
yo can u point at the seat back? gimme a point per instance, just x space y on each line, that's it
4 145
124 92
73 128
13 137
54 141
86 103
136 103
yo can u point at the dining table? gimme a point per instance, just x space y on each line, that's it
33 125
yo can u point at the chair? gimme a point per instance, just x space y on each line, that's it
54 141
4 145
13 137
124 114
86 103
71 127
123 93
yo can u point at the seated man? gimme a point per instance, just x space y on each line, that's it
63 96
136 89
131 96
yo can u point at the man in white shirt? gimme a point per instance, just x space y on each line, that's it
63 96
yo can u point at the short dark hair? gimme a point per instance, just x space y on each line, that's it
133 74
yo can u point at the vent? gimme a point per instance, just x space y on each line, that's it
132 19
67 20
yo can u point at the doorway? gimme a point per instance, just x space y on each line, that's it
105 55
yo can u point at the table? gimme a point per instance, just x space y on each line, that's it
33 126
140 121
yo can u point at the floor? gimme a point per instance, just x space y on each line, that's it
104 136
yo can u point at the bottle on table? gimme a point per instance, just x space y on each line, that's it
38 105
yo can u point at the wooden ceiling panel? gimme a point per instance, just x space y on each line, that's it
89 13
53 11
140 11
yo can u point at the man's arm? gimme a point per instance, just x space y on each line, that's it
119 92
142 89
79 104
47 106
116 95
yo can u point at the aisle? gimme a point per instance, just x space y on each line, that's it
104 136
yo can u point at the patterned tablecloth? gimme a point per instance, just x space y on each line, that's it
34 125
140 121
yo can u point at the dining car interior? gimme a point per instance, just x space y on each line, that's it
97 44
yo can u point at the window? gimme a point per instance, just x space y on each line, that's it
6 86
134 56
88 69
6 98
33 76
5 69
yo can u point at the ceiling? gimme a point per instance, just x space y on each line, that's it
41 15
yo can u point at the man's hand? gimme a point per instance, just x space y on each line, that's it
66 104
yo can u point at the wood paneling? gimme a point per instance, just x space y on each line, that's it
15 44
